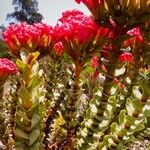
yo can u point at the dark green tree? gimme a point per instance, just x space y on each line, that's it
25 11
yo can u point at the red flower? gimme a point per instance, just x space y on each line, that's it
95 61
91 4
78 32
7 67
98 8
44 35
136 38
75 26
126 57
28 36
59 48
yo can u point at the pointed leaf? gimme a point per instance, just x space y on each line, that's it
130 119
35 55
25 96
21 134
145 85
34 136
21 65
122 116
23 54
36 146
113 127
21 117
35 82
24 69
35 119
139 127
137 104
129 107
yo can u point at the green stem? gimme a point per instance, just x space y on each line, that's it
101 108
125 127
133 77
30 109
53 113
14 103
70 106
3 135
71 110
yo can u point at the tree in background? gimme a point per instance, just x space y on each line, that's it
2 28
25 11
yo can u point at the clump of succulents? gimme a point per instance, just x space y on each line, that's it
85 83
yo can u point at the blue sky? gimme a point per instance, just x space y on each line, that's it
50 9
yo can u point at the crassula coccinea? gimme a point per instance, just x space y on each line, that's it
7 68
77 31
32 37
121 11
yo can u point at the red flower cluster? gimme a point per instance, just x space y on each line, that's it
126 57
78 32
28 36
98 8
91 4
7 67
74 26
136 38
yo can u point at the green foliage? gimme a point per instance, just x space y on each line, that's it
31 99
3 124
60 102
111 117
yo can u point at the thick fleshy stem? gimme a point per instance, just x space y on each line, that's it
133 77
117 111
13 101
70 114
30 109
50 119
124 127
101 108
3 135
53 73
71 108
134 115
90 94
